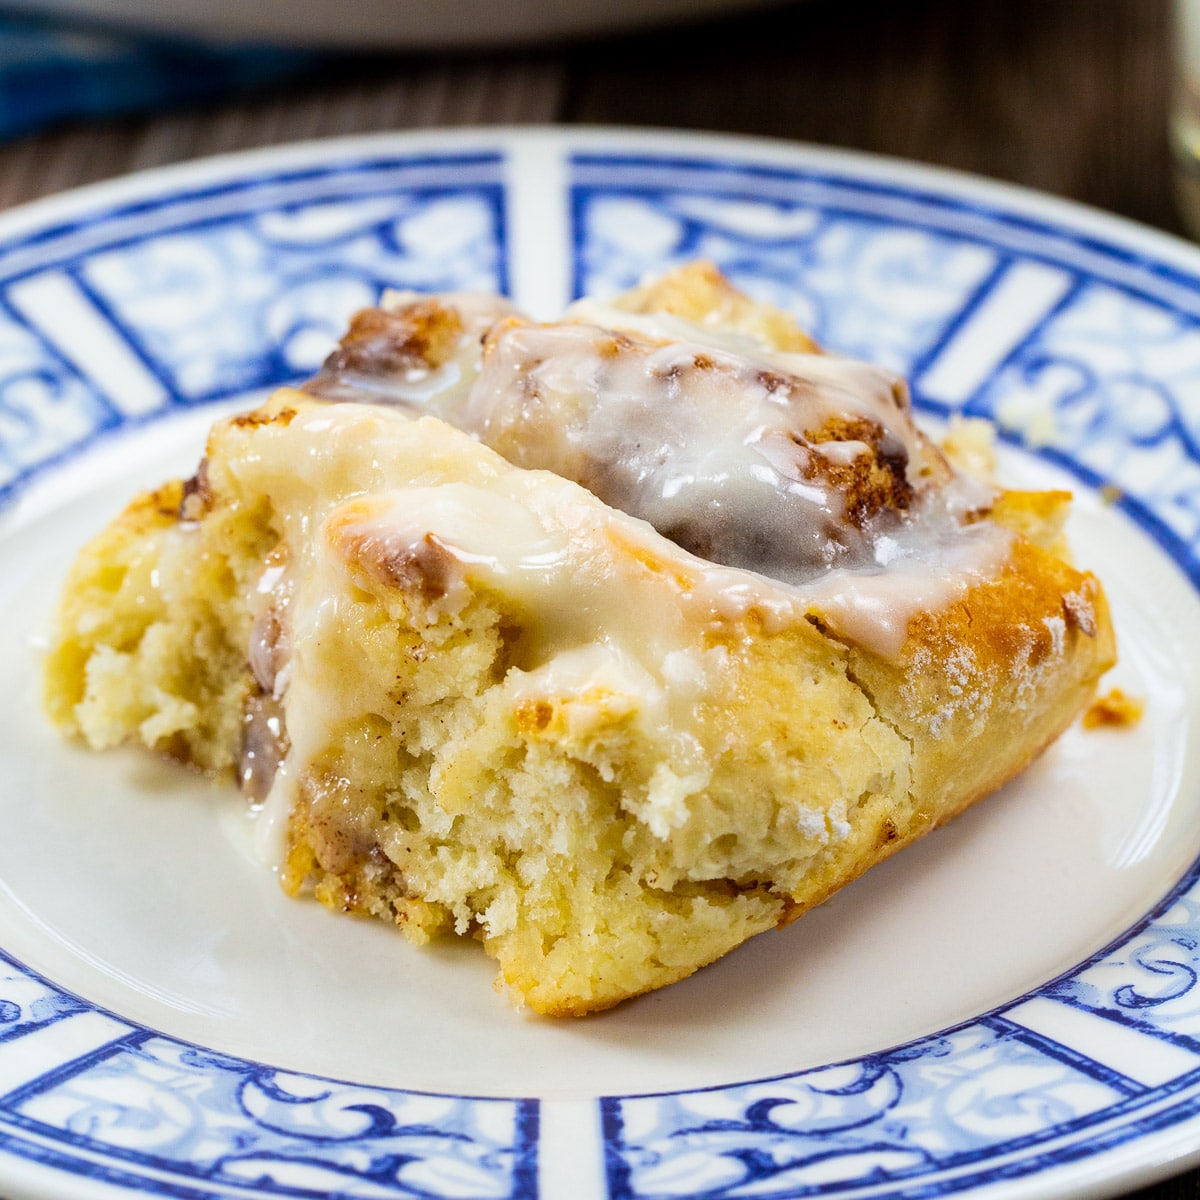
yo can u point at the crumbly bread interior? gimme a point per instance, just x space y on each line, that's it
152 632
501 708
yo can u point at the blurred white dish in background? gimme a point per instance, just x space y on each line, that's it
378 24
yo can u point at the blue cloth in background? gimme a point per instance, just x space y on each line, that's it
51 72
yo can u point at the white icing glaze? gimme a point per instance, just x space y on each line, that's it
269 842
717 441
558 568
720 442
268 652
720 452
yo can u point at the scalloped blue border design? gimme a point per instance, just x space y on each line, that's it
229 1121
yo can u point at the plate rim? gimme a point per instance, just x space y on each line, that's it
112 194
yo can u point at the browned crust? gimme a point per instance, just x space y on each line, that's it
1038 612
153 510
382 342
699 292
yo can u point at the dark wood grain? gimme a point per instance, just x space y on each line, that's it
1068 96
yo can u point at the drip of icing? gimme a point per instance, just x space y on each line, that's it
873 609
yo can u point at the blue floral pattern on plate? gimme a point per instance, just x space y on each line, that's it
197 295
186 1111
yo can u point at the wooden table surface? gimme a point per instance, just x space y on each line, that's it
1068 96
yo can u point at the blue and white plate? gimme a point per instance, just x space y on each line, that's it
1009 1009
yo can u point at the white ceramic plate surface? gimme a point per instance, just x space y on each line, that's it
1007 1009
